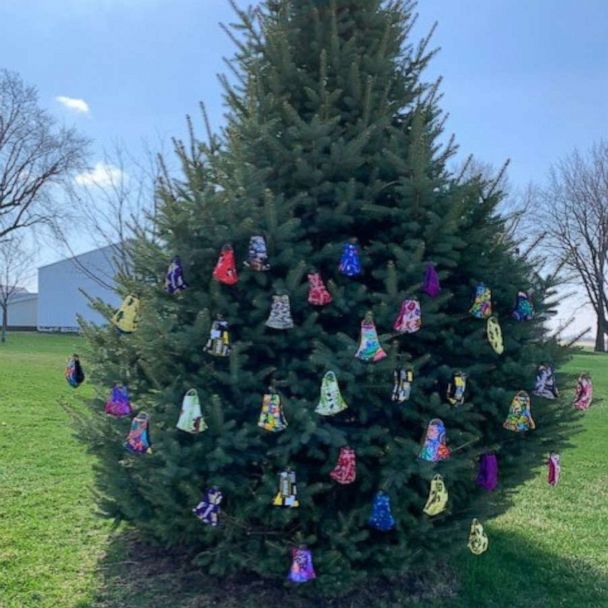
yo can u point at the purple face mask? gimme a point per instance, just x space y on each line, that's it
431 284
488 472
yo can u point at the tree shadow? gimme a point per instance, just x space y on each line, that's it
513 573
516 573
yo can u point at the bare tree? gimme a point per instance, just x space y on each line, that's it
110 203
115 201
36 155
16 267
573 212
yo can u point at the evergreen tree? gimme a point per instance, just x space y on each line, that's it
332 134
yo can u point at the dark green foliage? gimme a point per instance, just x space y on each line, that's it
331 134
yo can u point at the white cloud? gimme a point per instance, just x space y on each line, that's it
78 105
102 174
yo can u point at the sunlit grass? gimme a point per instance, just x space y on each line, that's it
50 539
548 551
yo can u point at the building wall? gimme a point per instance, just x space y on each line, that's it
60 287
23 311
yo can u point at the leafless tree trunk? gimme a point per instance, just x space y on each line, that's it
573 212
36 155
4 322
16 267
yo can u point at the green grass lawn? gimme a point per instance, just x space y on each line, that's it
551 548
50 539
548 551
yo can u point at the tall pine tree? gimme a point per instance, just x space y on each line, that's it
332 135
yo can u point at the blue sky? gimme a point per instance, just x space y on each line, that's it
523 79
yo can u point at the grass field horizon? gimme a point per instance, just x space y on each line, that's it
548 550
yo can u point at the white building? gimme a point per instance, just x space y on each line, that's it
62 287
23 310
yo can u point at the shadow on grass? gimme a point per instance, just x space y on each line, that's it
136 575
512 574
516 573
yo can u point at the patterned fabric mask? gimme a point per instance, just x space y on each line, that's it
519 418
208 510
280 313
118 403
494 334
369 346
331 401
438 497
287 494
478 540
174 281
301 570
191 418
402 386
225 269
350 263
409 319
456 388
272 417
138 439
545 385
126 317
434 447
554 469
345 471
74 373
317 292
381 518
523 311
257 255
482 305
583 395
218 344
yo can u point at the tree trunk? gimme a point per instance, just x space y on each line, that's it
4 322
600 343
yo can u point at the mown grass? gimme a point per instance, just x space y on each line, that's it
50 538
548 551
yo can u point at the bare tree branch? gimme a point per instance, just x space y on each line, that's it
573 212
109 204
16 267
36 156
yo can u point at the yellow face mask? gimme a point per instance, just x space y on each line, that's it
438 497
495 335
125 318
478 540
457 388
